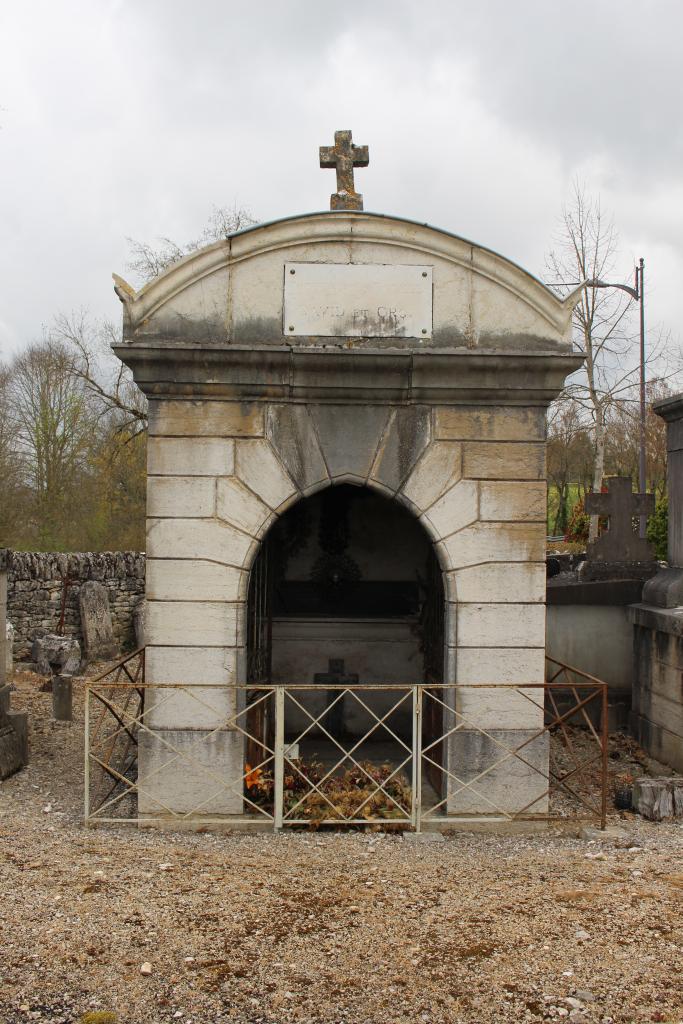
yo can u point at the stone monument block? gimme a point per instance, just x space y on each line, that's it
62 698
53 654
98 633
659 799
13 742
13 725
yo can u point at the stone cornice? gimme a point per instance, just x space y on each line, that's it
318 374
670 409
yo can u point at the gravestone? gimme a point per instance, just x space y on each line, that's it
52 654
13 738
619 552
13 725
333 720
62 697
96 624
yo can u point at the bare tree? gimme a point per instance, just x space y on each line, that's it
94 363
90 340
148 260
12 490
586 250
55 431
623 439
568 447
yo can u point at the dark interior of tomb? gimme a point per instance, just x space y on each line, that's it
349 552
356 573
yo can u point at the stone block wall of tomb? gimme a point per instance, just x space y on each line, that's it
657 711
221 472
35 587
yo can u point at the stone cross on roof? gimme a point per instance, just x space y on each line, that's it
620 543
344 156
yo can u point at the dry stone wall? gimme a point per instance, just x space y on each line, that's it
35 587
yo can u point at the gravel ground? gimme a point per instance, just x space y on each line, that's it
319 928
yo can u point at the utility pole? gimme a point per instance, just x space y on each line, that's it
637 293
642 467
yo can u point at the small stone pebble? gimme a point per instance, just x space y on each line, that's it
260 928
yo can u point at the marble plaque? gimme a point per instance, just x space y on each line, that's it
359 300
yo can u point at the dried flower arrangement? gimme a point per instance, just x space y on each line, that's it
363 792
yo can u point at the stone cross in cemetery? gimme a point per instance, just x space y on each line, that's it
619 550
403 371
335 676
344 156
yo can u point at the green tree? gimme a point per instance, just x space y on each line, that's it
658 529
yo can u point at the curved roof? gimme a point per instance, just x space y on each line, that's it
392 217
357 231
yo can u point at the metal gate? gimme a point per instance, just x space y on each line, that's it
386 770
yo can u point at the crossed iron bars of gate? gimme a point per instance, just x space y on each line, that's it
117 711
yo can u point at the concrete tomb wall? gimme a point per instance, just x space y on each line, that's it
247 420
588 626
657 715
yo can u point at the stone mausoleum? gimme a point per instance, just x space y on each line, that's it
346 480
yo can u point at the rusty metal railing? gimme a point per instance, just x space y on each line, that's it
119 744
413 756
597 694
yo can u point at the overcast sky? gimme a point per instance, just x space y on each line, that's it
134 117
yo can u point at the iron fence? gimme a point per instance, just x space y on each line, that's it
390 755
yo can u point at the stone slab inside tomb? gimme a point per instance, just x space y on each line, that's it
346 493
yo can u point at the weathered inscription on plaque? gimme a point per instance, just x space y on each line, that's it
368 300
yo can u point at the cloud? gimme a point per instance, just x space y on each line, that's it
128 118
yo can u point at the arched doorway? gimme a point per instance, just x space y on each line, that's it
346 590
